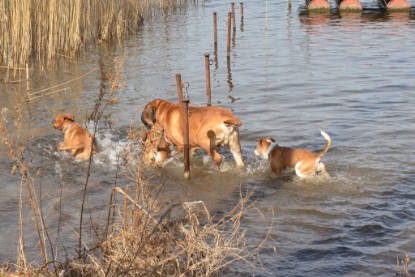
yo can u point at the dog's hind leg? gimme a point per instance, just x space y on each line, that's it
321 170
212 149
298 171
216 157
304 169
235 149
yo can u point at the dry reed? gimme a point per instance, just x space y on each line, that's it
403 266
16 152
44 31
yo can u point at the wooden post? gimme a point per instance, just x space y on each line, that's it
233 16
242 9
185 107
215 38
242 16
208 90
215 29
184 104
229 35
179 87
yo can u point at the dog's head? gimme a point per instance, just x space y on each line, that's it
263 147
156 150
148 117
321 170
61 120
163 151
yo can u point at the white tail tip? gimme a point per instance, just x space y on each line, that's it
325 135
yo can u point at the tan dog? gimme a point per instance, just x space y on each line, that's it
78 140
156 150
209 128
303 161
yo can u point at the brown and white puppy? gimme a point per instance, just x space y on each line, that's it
77 140
304 162
156 150
209 128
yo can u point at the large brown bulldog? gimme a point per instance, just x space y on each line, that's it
209 127
78 140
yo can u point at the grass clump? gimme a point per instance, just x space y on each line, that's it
403 267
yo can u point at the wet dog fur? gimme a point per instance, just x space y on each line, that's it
77 140
209 128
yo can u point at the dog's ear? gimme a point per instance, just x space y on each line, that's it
148 117
233 122
69 117
270 140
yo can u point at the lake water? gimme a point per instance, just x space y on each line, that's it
289 76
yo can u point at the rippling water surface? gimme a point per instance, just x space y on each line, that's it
289 76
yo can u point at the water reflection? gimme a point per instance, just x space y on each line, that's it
229 74
315 19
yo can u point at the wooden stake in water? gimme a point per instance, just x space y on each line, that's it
179 87
215 29
185 107
233 17
242 16
229 35
184 104
242 9
207 69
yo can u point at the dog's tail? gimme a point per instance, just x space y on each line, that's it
233 121
326 148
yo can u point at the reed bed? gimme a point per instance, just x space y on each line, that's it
45 31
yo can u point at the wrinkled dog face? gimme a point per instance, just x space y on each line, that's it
155 148
60 120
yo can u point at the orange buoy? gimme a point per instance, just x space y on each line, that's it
398 5
318 5
350 5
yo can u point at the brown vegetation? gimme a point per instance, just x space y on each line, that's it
47 30
403 267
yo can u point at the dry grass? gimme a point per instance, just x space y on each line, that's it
48 30
403 267
191 243
184 240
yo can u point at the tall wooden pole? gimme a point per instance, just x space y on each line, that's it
215 29
179 87
233 16
208 90
242 9
229 35
185 106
